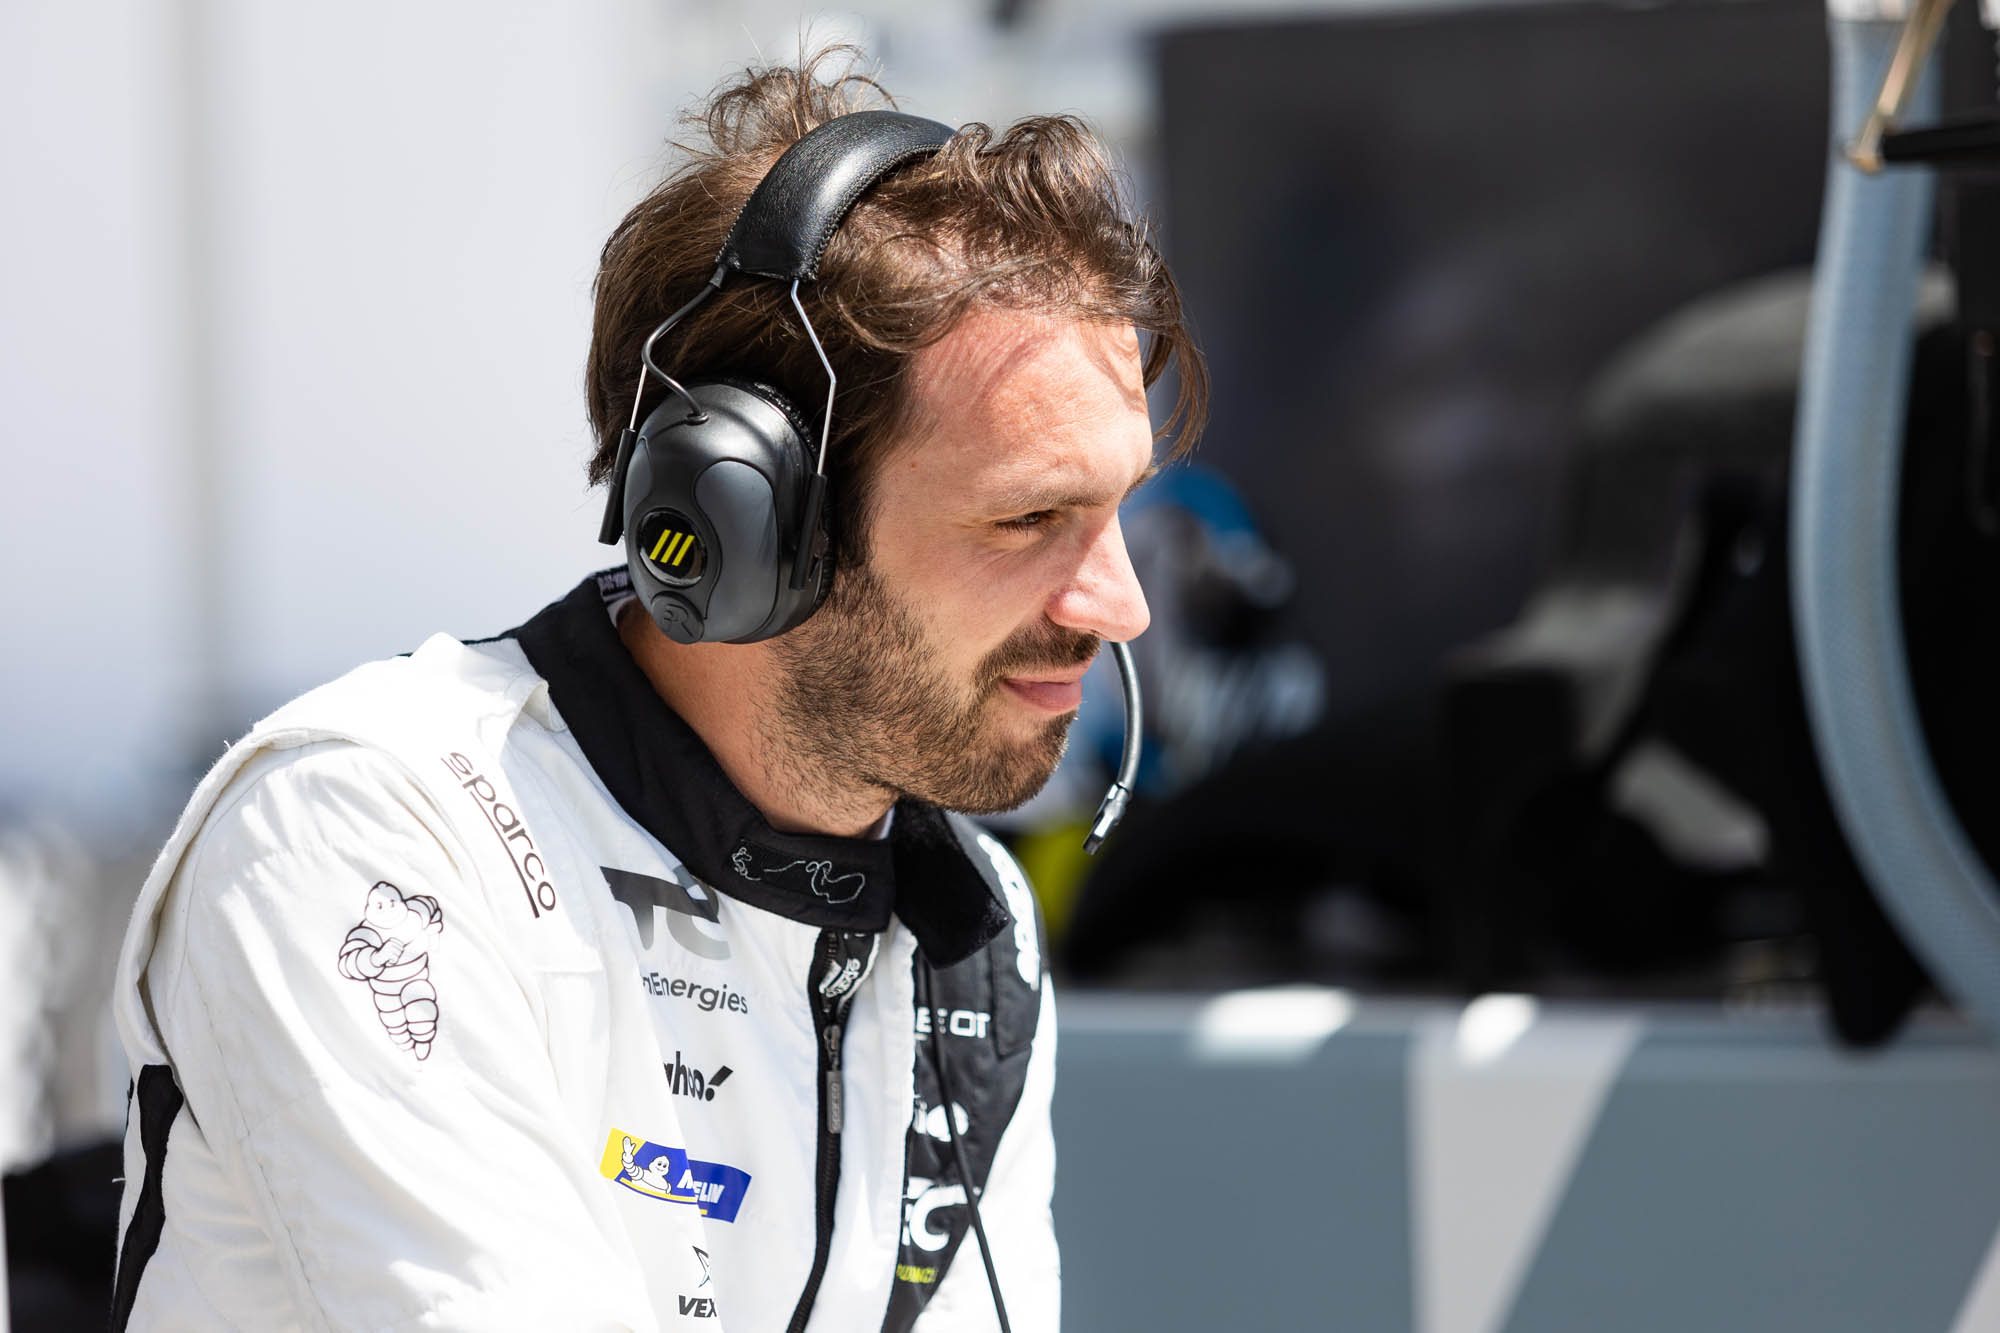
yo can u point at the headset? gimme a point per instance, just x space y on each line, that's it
720 494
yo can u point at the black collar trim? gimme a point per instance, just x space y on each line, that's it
661 773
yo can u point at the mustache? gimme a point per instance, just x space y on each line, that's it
1046 647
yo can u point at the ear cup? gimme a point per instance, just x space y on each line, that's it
801 446
805 431
713 511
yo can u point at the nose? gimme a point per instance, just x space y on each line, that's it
1103 597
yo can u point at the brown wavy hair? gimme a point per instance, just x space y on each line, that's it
1032 219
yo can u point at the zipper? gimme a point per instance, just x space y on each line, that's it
840 963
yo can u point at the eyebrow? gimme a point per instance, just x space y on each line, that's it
1029 501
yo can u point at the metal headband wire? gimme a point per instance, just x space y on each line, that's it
815 498
646 366
826 422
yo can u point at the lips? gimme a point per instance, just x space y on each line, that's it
1062 693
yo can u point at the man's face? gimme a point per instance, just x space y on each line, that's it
946 663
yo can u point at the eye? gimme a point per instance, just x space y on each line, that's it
1025 521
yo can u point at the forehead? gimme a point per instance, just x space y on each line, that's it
1009 396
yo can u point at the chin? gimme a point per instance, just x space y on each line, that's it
1006 777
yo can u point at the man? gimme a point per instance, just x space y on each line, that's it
390 1065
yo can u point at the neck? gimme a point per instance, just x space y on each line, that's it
726 692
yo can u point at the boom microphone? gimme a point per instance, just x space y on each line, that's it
1112 808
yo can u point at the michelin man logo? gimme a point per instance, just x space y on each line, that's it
1021 903
671 1176
658 1173
390 950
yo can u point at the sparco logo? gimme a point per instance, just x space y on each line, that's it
958 1022
512 830
686 1081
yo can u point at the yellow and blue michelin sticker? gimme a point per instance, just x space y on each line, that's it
670 1175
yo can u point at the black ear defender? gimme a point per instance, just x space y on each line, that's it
720 494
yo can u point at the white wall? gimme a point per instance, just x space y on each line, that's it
93 546
297 299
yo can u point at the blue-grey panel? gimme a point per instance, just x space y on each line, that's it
1204 1196
1757 1183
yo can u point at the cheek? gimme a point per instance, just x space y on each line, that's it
970 597
995 602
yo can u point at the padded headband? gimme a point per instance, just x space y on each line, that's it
783 229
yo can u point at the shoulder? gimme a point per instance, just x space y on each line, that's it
310 830
400 763
330 795
367 759
444 685
280 870
348 785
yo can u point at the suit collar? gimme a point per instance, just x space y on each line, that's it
663 776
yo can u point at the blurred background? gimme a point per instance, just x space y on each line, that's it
1484 951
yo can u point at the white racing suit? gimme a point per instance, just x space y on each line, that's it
470 994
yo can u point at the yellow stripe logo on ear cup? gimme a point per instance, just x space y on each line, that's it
672 546
676 552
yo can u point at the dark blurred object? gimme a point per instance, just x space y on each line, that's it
62 1240
1681 518
1292 861
1669 625
1409 241
1219 676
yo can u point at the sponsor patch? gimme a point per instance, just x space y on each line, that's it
708 999
389 948
671 1176
923 1200
958 1022
931 1120
614 586
684 1080
682 902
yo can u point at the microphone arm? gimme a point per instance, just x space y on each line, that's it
1112 808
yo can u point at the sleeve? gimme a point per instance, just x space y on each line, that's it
1016 1211
368 1065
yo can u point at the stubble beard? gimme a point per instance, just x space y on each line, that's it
866 701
